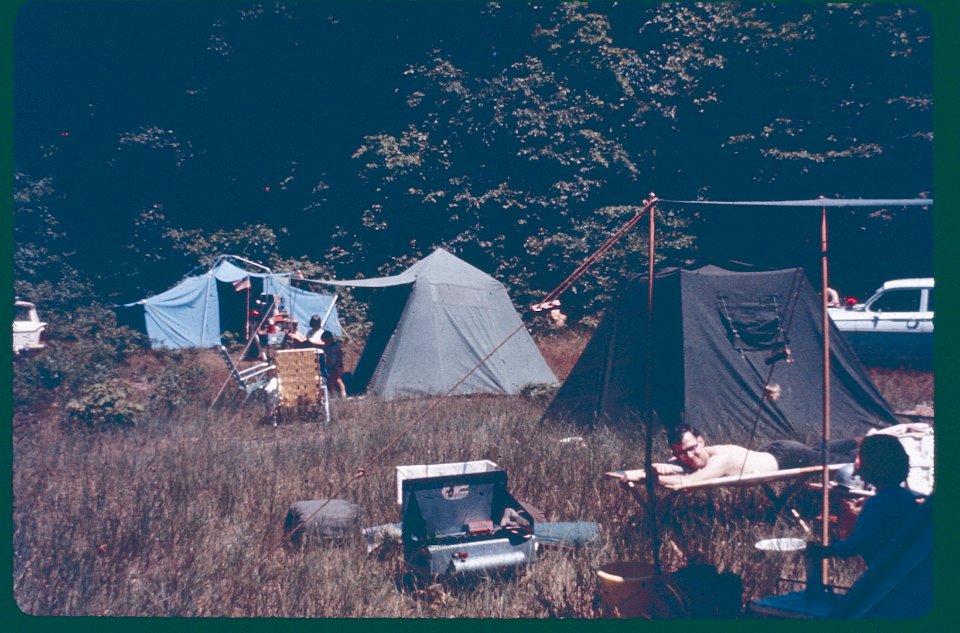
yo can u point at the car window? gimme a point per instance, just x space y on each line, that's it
23 313
930 300
900 300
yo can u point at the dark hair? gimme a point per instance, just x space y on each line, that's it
675 435
883 460
326 336
316 321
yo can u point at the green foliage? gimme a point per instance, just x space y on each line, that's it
42 268
105 404
257 242
180 382
84 347
565 119
523 145
542 392
523 169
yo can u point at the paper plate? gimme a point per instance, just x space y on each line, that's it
781 544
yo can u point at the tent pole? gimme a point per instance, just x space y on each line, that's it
648 400
246 315
326 315
825 322
206 305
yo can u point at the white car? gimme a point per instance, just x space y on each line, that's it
895 325
27 328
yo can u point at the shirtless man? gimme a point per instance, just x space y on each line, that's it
694 461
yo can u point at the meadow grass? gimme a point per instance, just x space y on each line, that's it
182 515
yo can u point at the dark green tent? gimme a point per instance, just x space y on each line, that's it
720 336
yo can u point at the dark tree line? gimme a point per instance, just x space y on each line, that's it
516 135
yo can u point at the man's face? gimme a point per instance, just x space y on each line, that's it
690 451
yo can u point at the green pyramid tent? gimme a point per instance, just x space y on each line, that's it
437 320
719 337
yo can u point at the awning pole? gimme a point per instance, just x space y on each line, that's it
206 307
825 321
326 315
648 400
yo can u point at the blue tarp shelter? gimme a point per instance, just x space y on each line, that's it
196 311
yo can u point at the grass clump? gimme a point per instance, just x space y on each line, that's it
183 514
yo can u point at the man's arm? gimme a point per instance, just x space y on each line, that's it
673 467
719 465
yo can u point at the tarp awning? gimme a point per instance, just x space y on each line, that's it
195 312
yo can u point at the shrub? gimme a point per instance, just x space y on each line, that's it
181 381
84 347
106 403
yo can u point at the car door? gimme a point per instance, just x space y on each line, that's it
926 313
895 321
925 345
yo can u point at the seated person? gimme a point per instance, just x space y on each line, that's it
313 337
694 461
883 462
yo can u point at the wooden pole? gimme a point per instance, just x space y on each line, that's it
648 399
825 321
246 315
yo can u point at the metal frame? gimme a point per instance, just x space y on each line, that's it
300 381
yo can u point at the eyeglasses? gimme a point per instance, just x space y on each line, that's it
685 450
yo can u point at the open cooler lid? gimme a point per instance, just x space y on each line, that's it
421 471
450 506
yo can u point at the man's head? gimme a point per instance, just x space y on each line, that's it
688 446
316 322
326 337
882 461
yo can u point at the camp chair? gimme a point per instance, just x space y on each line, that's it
250 379
301 381
794 477
898 584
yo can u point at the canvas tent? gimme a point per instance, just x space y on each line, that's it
433 323
719 336
199 308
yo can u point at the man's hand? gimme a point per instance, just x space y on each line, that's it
848 515
854 506
668 469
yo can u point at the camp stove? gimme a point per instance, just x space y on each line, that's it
460 519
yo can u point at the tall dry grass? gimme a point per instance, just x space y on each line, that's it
183 514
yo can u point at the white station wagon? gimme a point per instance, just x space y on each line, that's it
895 325
27 327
